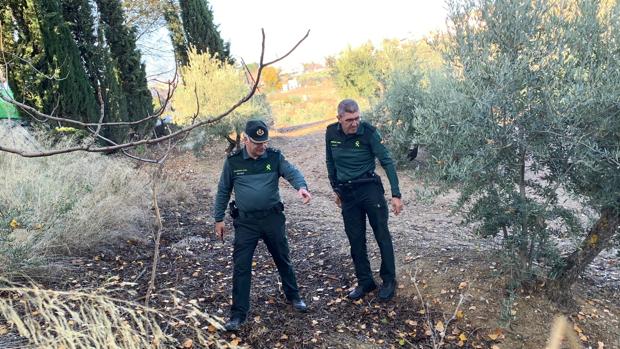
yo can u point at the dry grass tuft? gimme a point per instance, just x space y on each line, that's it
66 204
75 320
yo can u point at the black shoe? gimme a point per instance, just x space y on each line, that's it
299 305
360 291
234 324
387 291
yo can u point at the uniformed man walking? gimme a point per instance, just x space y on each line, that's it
351 148
254 173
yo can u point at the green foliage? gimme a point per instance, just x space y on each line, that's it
355 72
414 83
101 69
365 72
210 87
200 31
72 91
22 38
175 27
526 115
131 73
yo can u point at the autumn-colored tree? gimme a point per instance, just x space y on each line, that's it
271 80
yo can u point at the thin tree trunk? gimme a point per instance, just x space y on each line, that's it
525 239
599 237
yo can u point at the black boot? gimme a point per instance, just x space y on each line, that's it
387 291
299 305
360 291
234 323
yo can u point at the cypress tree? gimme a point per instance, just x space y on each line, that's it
100 67
200 31
79 17
73 94
21 38
131 72
112 93
175 27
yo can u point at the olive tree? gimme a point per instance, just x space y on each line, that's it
527 121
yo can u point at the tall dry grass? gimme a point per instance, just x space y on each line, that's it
68 204
79 320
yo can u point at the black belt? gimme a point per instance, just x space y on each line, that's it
370 177
236 213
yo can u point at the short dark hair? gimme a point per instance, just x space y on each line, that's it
347 106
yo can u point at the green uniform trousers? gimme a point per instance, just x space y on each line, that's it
248 231
358 202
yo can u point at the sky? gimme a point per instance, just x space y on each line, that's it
333 25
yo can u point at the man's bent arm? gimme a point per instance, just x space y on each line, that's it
292 174
385 159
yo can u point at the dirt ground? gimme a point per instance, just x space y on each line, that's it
451 292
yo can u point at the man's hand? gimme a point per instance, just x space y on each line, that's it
220 230
397 206
337 200
304 195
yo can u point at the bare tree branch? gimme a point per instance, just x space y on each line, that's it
115 147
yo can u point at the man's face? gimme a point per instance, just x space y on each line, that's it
255 149
349 122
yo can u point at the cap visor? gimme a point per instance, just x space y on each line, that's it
255 141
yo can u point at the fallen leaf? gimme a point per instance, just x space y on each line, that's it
497 333
462 285
3 330
463 337
188 343
459 315
234 342
439 326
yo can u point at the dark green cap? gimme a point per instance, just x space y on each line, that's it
257 131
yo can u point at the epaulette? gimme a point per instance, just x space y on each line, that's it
236 152
273 150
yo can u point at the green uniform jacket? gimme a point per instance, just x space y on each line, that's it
349 157
255 182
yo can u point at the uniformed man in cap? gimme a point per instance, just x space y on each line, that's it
351 148
254 173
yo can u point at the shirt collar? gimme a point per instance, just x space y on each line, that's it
246 155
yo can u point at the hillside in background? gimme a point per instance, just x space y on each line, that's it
306 97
